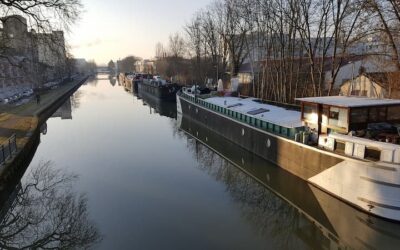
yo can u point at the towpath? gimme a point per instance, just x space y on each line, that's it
22 120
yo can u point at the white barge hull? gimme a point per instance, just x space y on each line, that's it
373 187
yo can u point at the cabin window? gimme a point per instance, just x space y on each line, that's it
338 117
325 115
310 113
377 114
334 114
373 115
359 115
372 154
340 147
393 113
343 118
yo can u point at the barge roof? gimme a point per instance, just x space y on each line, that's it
269 113
350 101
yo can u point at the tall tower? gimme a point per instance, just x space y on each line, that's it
15 34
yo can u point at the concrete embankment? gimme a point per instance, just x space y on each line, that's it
25 121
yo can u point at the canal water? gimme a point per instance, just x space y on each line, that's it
152 179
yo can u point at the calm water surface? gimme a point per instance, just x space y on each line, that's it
155 180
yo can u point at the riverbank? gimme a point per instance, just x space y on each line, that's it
25 120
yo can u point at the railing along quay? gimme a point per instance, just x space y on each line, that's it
8 149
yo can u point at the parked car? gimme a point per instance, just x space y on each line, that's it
27 93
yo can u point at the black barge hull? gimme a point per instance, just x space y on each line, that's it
164 92
299 159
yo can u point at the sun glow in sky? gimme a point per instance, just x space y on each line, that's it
114 29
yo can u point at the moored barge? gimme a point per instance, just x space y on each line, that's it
159 89
314 143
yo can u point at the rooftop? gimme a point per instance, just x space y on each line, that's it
350 101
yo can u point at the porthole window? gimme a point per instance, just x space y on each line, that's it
242 131
268 143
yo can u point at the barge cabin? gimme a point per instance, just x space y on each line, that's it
361 127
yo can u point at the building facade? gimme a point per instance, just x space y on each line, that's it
28 57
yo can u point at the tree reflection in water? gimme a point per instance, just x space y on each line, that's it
46 213
270 215
76 99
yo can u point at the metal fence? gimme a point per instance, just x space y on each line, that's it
8 149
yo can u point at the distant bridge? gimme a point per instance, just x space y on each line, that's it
103 70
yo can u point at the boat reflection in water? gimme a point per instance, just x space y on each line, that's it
317 219
112 79
162 107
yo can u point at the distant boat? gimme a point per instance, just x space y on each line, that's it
159 88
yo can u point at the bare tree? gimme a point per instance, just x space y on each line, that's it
44 15
160 51
195 45
233 31
387 22
127 64
346 22
176 46
300 46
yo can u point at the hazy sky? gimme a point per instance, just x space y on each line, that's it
114 29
